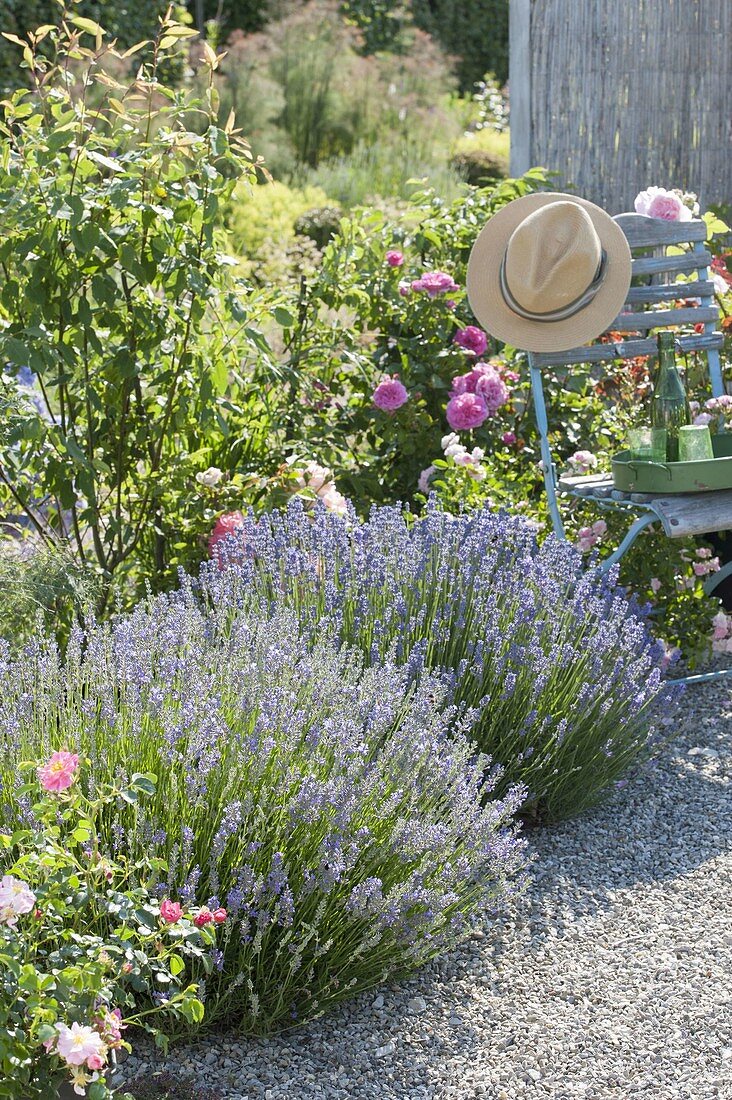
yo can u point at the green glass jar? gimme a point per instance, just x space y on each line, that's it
669 404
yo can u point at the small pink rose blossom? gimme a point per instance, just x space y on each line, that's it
170 911
466 411
508 438
599 528
394 257
60 771
390 394
203 917
405 289
704 419
78 1043
655 584
583 461
472 339
219 916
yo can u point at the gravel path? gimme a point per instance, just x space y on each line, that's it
612 980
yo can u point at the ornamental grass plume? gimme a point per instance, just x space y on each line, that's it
559 663
334 821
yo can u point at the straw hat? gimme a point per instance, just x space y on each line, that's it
548 272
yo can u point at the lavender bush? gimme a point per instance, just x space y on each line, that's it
323 806
558 662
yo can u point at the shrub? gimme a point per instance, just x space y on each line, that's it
482 157
41 581
319 224
557 661
265 216
347 836
81 939
143 355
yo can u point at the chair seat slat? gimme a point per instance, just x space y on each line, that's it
670 292
645 232
631 322
682 264
623 349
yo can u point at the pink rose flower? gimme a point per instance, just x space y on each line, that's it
79 1043
394 258
226 525
703 419
508 438
203 917
16 899
95 1061
219 916
583 461
405 289
472 339
586 539
170 911
390 394
657 202
466 411
655 584
434 283
60 771
491 387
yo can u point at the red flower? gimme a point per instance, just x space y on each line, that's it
219 916
203 917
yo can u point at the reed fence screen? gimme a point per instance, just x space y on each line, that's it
618 95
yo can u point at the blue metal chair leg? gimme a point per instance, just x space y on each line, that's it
634 530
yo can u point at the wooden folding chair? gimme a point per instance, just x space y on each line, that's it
681 514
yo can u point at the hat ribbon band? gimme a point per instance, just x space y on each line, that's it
555 314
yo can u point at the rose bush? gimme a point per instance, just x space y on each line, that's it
86 950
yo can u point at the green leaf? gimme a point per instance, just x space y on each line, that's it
84 24
177 966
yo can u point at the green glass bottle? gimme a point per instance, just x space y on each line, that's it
669 404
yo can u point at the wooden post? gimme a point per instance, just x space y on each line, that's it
519 78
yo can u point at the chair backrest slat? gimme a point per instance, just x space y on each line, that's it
657 318
645 232
669 292
624 349
680 264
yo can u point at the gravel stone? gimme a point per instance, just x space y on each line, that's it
609 980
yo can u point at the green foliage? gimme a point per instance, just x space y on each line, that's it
482 156
42 583
308 99
82 940
264 216
115 295
473 31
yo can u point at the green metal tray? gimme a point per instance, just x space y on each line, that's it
633 476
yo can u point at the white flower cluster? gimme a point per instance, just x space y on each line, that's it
461 456
319 480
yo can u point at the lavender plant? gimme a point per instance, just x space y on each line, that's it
322 805
556 659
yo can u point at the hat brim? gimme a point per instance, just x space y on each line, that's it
497 317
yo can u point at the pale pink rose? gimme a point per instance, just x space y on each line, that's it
394 258
599 528
334 501
583 461
170 911
390 394
703 418
203 917
492 389
472 339
466 411
508 438
60 771
78 1043
586 539
423 484
226 526
704 552
657 202
16 899
655 584
220 916
95 1061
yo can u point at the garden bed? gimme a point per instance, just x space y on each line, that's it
608 981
